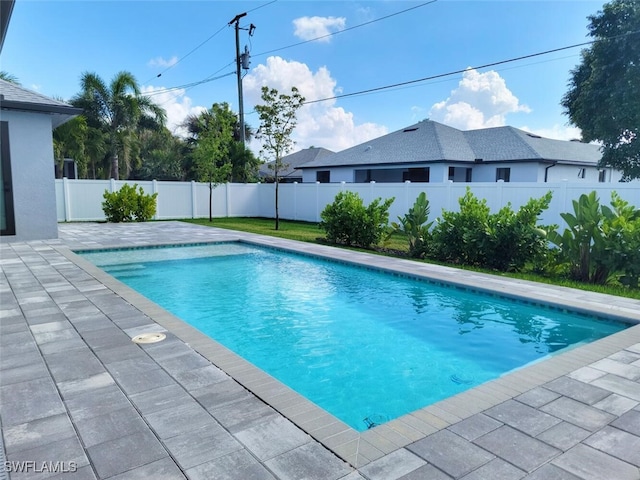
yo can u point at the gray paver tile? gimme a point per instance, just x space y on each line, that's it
199 446
551 472
201 377
73 364
183 363
496 469
233 466
125 453
426 472
272 437
563 436
591 464
630 372
572 388
21 374
629 422
451 453
139 365
38 432
522 417
616 404
475 426
171 396
618 443
96 402
310 461
68 451
519 449
81 473
242 414
393 466
141 382
164 469
112 425
578 413
26 401
619 385
170 422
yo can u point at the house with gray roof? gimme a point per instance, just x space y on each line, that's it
429 151
291 173
28 199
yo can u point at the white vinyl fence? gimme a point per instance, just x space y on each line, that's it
81 200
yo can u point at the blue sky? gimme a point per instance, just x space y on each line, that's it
50 43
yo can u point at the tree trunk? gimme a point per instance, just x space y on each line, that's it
210 202
115 168
277 214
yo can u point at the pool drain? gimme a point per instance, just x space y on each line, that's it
149 338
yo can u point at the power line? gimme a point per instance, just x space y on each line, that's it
347 29
205 41
493 64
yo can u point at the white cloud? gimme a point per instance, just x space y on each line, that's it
481 100
319 124
177 105
161 62
309 28
557 132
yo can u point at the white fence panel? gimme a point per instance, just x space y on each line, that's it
81 200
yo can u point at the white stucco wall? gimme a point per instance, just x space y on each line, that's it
34 196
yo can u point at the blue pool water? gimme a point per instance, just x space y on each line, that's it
364 345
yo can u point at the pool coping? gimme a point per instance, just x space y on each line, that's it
361 448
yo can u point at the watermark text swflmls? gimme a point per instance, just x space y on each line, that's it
25 466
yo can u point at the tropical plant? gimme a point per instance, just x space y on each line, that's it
8 77
118 110
414 225
621 232
349 222
277 122
69 141
582 244
129 204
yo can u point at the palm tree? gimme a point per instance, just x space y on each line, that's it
118 110
7 77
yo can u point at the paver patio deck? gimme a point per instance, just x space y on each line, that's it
77 394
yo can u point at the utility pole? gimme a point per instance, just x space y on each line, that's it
236 20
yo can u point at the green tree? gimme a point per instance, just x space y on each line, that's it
8 77
211 144
161 156
603 99
69 141
118 110
243 161
277 122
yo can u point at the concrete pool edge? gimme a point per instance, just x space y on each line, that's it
361 448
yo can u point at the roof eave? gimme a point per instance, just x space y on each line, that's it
63 113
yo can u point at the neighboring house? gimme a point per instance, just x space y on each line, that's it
28 200
291 173
432 152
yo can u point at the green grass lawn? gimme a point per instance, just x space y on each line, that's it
310 232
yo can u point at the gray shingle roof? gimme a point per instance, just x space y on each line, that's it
430 141
15 97
294 160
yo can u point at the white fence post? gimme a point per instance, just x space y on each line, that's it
154 189
194 199
67 199
228 197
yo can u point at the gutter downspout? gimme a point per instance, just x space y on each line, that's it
546 171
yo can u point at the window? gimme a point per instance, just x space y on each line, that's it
467 177
323 176
602 176
452 173
503 174
7 220
416 175
582 172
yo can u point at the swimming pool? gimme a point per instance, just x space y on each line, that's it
364 345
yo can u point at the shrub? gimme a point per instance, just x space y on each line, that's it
349 222
129 204
601 241
506 240
414 225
